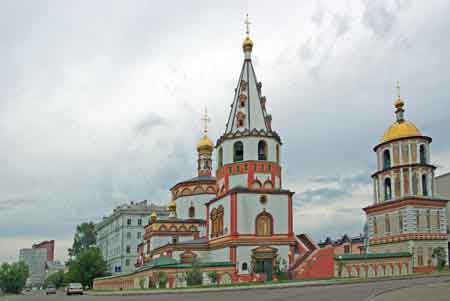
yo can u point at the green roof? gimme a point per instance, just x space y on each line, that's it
371 256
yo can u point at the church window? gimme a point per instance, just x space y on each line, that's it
415 184
244 266
238 151
386 159
174 240
346 249
387 189
375 228
277 149
191 212
240 117
387 223
216 218
264 224
238 168
419 256
230 170
423 154
418 220
220 157
428 220
262 150
424 185
400 221
173 228
242 99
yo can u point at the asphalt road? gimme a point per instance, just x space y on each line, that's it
347 292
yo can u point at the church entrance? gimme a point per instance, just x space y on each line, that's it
263 259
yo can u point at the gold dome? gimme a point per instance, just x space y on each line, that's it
153 216
205 144
173 206
400 129
248 44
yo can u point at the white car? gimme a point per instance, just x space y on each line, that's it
74 288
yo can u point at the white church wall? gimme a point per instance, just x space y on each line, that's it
158 241
218 255
250 149
198 201
238 180
249 206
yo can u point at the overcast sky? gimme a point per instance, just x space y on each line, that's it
100 101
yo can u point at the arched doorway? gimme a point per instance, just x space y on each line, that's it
263 261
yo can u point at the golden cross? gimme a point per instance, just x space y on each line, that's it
398 89
247 25
205 120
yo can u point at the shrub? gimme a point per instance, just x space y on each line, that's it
439 254
162 276
213 276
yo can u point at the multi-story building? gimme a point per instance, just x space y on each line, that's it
442 189
36 259
119 234
49 246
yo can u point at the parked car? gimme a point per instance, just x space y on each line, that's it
74 288
51 289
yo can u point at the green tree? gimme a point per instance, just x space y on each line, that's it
88 265
13 277
441 258
213 277
84 238
195 276
162 277
57 279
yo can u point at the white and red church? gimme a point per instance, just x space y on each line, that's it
239 223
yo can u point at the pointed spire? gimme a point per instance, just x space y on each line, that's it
399 103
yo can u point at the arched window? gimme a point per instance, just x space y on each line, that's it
220 158
277 149
191 212
387 189
423 154
264 224
238 150
424 185
262 150
216 218
244 266
386 159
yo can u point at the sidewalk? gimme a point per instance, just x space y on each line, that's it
305 283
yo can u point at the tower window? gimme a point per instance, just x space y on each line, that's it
386 159
220 163
277 149
423 154
387 223
191 212
387 189
262 150
244 266
238 150
424 185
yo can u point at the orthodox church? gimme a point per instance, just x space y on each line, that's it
238 223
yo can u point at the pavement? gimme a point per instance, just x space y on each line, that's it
425 288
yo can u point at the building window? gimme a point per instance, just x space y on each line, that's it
438 221
428 220
375 228
191 212
346 249
423 154
262 150
418 220
263 200
128 250
128 235
424 185
140 221
129 221
139 235
387 189
400 221
127 262
387 223
174 239
419 256
238 168
238 150
386 159
220 158
277 149
264 224
246 167
244 266
216 217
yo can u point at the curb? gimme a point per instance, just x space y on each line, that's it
269 286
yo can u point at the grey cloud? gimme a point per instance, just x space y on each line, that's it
342 24
149 122
321 195
380 16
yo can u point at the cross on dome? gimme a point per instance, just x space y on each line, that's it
205 119
247 25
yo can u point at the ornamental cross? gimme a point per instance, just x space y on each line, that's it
398 89
247 25
205 120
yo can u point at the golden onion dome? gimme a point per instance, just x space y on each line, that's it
205 144
400 129
173 206
248 44
153 216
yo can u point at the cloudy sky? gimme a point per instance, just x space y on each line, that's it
100 101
